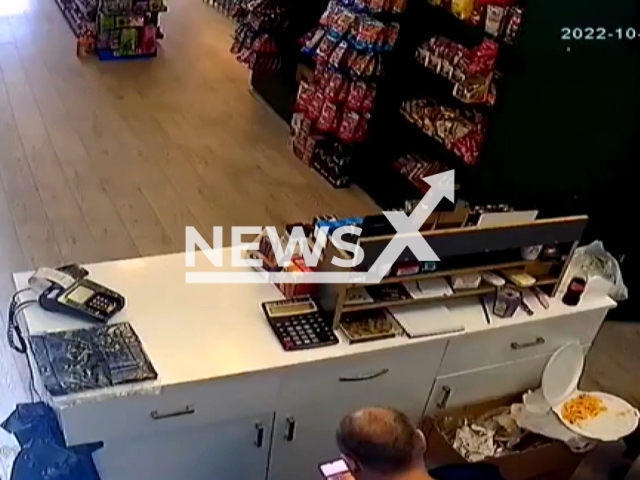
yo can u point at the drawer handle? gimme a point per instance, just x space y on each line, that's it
291 429
446 394
366 376
519 346
259 435
188 410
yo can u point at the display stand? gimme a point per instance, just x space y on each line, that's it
462 251
128 29
393 136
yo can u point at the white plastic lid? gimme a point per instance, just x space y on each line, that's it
562 373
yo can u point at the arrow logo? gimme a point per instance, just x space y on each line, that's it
408 227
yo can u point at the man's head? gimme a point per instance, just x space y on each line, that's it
380 443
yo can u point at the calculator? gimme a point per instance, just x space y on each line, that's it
298 324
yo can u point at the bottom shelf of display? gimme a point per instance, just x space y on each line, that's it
107 55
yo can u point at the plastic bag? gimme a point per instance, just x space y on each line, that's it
31 421
547 424
594 261
53 462
44 453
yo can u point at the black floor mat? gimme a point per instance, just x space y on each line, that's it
87 359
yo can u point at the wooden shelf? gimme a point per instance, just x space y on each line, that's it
546 280
416 301
457 271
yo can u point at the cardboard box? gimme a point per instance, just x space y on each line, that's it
552 461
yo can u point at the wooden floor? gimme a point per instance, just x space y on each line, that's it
101 161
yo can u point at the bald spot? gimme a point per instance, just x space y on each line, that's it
381 439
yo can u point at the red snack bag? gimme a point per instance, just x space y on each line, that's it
326 47
478 15
305 93
398 6
343 20
369 32
329 14
315 107
312 40
362 129
327 117
468 147
369 98
376 6
321 77
344 92
356 95
335 123
347 130
392 34
334 87
338 53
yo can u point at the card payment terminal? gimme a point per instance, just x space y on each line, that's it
80 297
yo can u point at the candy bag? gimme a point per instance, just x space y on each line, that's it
327 117
369 98
347 130
315 106
303 100
356 95
334 87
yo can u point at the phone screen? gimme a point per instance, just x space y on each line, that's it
336 470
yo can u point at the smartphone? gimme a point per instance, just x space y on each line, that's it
335 470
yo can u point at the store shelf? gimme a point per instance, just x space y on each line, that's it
422 143
415 301
546 280
486 290
457 271
109 55
440 88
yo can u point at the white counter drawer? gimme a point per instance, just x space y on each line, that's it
474 386
519 341
408 370
175 407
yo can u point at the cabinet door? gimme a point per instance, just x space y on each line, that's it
227 450
466 388
304 431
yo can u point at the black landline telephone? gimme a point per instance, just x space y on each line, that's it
83 298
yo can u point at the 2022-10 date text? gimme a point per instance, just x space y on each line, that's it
599 33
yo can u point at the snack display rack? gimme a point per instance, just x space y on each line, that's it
433 103
128 29
334 106
438 111
462 251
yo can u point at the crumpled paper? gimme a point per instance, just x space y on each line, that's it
475 442
492 434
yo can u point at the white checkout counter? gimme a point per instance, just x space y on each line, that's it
232 404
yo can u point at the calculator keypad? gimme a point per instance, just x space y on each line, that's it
304 331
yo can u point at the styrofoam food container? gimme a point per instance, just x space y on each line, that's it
560 385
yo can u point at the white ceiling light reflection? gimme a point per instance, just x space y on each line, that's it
10 8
